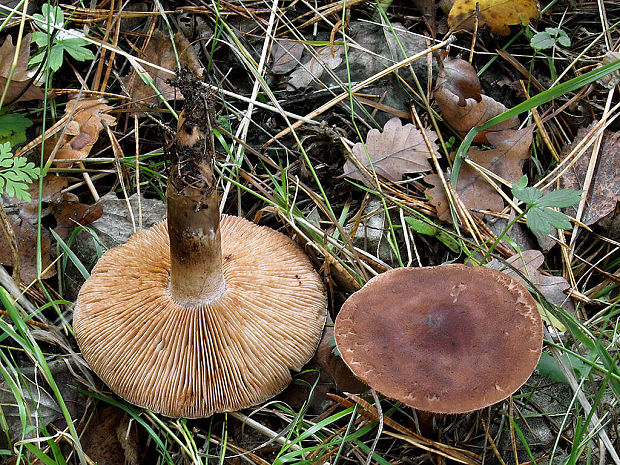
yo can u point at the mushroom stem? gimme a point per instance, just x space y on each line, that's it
196 277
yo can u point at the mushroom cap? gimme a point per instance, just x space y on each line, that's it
193 362
445 339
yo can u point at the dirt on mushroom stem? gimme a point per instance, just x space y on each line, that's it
193 208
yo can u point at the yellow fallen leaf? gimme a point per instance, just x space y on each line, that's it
496 14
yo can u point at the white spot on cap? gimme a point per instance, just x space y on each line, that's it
456 291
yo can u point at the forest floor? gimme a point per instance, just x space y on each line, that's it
359 130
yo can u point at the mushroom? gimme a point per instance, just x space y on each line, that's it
198 314
445 339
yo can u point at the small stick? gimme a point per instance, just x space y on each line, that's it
271 434
89 182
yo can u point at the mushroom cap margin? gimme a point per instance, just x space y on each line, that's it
193 362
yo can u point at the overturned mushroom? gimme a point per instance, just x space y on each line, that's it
445 339
197 315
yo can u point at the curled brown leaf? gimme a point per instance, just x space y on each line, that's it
457 99
81 131
528 264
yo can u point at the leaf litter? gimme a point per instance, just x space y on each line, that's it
81 131
286 56
392 153
505 160
326 58
528 263
160 52
22 86
458 94
602 198
460 99
23 216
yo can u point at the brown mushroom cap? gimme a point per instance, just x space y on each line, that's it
192 362
446 339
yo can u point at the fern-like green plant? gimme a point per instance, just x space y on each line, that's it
16 173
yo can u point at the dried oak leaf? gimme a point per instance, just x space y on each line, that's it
82 131
496 14
605 187
456 96
21 81
286 56
395 151
326 57
505 160
159 52
528 263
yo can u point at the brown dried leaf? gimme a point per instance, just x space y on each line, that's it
313 69
505 160
82 131
23 217
460 78
497 14
111 439
605 186
26 233
395 151
69 213
286 55
460 110
21 76
335 376
426 7
159 52
528 263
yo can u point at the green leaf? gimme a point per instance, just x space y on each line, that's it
536 221
56 57
542 41
521 184
560 198
16 173
540 219
40 38
422 227
13 128
549 367
556 219
76 48
563 39
528 195
549 38
36 59
52 16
